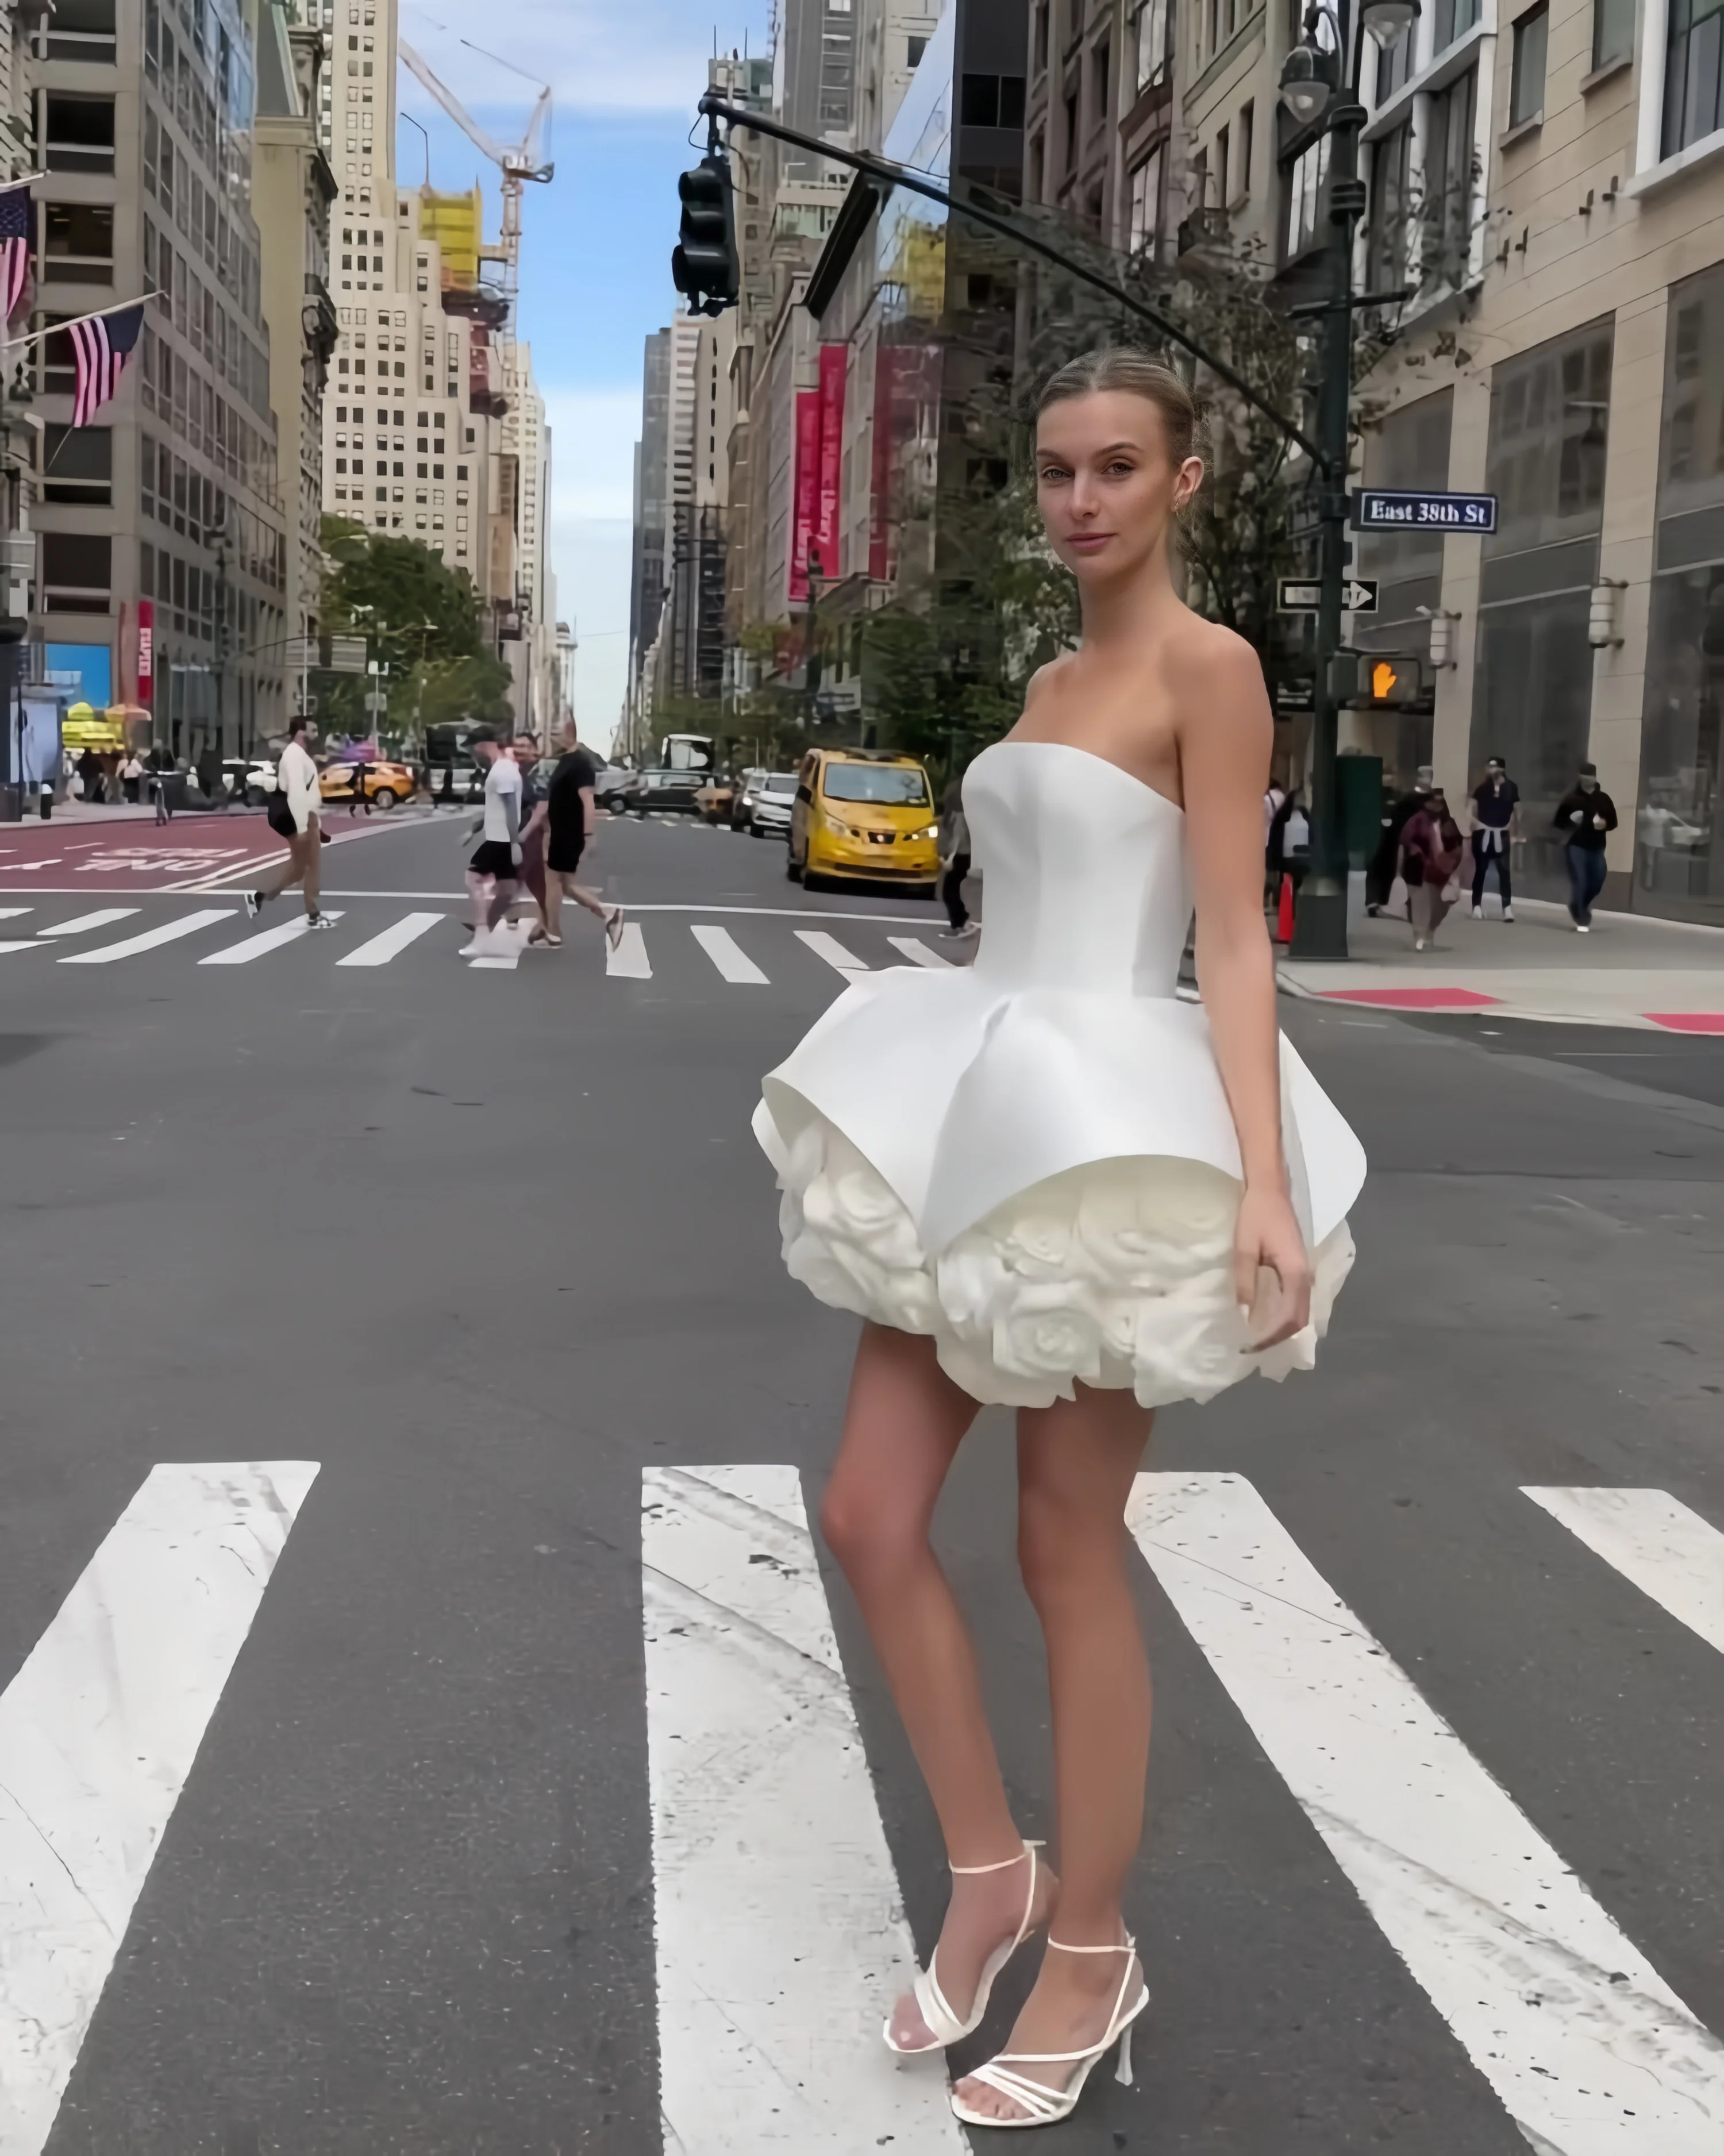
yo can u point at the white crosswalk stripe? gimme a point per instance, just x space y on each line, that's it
266 941
13 912
732 960
1588 2049
169 931
919 953
99 1731
392 941
627 959
1656 1541
776 1907
87 921
827 946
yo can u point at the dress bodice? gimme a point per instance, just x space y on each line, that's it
1084 873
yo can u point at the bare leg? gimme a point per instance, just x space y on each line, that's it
477 901
1075 1462
290 873
313 871
553 905
502 898
903 1426
583 896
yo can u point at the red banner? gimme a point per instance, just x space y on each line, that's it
146 651
831 450
805 498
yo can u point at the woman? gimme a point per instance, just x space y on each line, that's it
1430 860
1045 1182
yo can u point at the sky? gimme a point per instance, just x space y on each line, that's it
595 270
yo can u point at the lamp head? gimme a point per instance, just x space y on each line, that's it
1386 19
1305 83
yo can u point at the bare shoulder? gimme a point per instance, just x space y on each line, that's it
1206 661
1046 679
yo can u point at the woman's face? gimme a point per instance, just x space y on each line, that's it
1107 482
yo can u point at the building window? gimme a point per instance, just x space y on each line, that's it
1101 78
1451 180
1694 73
77 244
1149 38
992 100
1386 233
1304 196
1244 139
1454 20
1613 31
1144 235
913 48
1526 84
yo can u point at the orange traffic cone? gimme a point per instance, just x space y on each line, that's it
1284 913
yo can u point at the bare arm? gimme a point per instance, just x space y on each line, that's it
589 812
1223 753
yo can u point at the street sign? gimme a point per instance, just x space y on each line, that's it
1396 509
1295 696
1302 595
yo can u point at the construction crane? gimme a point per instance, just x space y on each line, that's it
518 164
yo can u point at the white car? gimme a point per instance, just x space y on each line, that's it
764 803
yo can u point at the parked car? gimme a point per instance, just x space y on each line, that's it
863 815
385 783
763 803
664 788
714 799
610 786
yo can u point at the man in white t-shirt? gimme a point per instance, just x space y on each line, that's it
497 861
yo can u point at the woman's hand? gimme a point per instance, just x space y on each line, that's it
1267 1237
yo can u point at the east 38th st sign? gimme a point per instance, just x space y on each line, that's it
1397 508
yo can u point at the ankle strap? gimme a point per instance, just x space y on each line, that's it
1005 1864
1125 1946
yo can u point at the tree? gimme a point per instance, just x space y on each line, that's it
421 618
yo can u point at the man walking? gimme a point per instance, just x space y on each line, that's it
955 863
570 818
1386 861
294 815
1496 806
496 862
1586 816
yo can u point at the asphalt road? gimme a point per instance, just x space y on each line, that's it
487 1246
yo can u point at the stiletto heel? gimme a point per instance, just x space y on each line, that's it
931 2003
1040 2105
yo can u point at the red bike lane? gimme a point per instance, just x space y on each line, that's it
137 856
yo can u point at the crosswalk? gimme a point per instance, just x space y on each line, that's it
779 1926
777 1902
754 953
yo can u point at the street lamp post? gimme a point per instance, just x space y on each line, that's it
1313 86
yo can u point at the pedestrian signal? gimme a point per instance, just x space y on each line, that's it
1394 681
703 266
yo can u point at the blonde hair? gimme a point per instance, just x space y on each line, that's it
1125 367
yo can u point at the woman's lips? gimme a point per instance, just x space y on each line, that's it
1088 542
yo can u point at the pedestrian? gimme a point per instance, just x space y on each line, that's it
570 818
1288 850
90 772
1430 861
1586 816
494 873
1496 825
983 1170
359 796
1273 796
955 863
535 814
209 776
1386 861
296 814
131 773
160 767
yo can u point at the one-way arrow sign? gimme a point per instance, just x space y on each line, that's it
1294 595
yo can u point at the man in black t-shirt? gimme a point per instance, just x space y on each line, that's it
572 818
1495 799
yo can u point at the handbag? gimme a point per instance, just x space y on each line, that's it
279 816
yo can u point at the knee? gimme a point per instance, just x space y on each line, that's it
871 1535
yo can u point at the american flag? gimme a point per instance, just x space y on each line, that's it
17 218
102 347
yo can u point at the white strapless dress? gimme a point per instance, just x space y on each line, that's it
1032 1159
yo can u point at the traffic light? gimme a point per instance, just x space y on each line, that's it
703 264
1390 680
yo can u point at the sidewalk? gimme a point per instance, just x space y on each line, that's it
1631 970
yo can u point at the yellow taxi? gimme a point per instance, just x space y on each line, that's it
866 814
385 782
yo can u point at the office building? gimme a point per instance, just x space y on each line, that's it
170 502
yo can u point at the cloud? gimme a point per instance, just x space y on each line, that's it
599 56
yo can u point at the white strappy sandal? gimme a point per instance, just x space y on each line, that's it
932 2001
1039 2105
